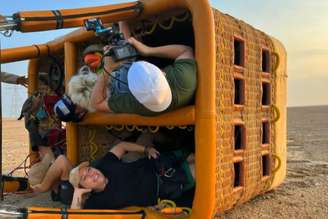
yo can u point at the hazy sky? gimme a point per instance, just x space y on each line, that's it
301 25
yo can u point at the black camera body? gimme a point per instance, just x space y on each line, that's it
121 49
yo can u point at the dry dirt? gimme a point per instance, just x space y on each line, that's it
302 195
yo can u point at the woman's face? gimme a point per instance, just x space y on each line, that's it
91 178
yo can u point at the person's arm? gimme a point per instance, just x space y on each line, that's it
174 51
59 170
22 81
78 198
124 28
121 148
13 79
99 94
99 99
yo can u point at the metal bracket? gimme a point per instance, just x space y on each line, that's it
7 25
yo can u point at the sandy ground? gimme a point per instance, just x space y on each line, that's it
302 195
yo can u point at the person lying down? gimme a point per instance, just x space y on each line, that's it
110 183
136 87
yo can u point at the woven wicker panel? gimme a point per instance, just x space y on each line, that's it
250 114
94 141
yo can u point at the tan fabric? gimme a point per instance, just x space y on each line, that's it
39 170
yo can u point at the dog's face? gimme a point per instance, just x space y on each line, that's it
80 87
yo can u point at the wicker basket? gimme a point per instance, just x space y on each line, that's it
246 131
239 113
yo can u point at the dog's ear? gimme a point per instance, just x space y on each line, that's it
85 70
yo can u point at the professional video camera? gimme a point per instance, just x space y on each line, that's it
121 49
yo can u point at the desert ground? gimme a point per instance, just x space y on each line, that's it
302 195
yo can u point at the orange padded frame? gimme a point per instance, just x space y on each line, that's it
31 20
204 110
203 114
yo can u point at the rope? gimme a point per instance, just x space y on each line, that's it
276 157
130 128
109 127
277 57
182 19
169 26
166 203
23 163
93 146
169 207
152 29
276 112
153 129
140 129
119 128
275 115
161 23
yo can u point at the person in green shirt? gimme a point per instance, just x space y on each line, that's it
142 88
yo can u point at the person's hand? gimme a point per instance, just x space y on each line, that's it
78 200
36 188
151 152
106 49
79 192
22 81
142 48
109 63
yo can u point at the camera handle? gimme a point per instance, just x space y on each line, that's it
121 50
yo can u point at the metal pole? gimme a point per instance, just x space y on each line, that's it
1 186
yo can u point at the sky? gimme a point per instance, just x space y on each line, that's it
301 25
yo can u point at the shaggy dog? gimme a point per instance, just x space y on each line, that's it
80 87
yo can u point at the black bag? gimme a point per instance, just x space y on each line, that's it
64 194
172 177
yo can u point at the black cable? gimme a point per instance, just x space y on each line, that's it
19 166
110 75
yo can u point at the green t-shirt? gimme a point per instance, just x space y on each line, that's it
182 78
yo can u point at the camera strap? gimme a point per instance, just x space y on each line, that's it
113 77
